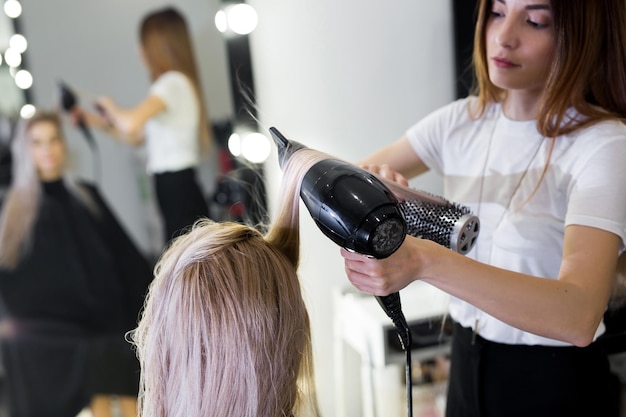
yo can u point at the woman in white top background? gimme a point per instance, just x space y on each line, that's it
172 120
538 154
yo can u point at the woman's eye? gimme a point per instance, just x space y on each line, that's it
537 24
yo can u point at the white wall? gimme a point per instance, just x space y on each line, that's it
346 77
93 46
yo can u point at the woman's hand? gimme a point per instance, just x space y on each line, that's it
386 276
124 124
106 108
103 114
77 115
386 172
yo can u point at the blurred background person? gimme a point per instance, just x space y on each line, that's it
172 120
72 283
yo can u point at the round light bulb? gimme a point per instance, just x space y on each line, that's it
220 21
255 147
27 111
234 144
18 42
12 57
12 8
242 18
23 79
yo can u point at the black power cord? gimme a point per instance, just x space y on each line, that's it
392 306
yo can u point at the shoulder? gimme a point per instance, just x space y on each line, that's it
171 85
89 194
466 109
87 186
603 132
614 127
599 147
459 112
172 78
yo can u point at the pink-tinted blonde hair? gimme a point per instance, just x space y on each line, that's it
225 330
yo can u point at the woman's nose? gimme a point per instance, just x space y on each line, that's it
507 35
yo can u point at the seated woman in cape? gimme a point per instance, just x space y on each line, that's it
71 284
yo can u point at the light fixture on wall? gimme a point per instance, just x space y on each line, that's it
27 111
240 19
12 8
13 57
236 21
23 79
246 149
253 146
18 42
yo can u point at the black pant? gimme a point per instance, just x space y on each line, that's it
490 379
180 199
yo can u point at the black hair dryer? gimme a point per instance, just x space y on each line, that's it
360 212
349 205
69 102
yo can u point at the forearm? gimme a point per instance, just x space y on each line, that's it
124 127
399 156
552 308
568 307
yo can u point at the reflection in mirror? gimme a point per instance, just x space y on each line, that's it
15 82
244 149
52 63
106 62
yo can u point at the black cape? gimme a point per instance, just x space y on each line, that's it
67 306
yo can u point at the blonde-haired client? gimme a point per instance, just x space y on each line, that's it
225 330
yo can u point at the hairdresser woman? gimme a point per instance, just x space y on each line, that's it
538 154
172 119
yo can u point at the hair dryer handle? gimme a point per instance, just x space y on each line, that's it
392 306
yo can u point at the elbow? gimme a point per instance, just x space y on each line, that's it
132 133
584 332
582 340
135 138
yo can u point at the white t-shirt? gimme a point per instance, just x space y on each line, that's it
172 135
483 163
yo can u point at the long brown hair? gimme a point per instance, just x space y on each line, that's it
589 70
167 46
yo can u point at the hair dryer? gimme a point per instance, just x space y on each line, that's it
69 102
360 212
349 205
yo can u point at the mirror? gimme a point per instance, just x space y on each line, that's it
93 48
14 98
12 47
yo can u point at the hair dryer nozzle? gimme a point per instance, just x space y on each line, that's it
286 147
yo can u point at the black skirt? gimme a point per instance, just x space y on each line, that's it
180 199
